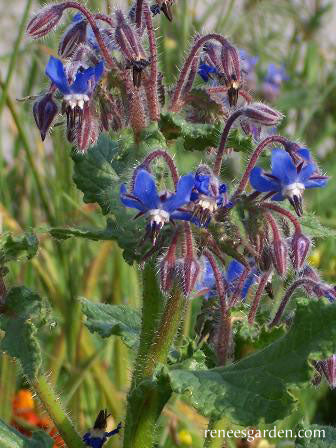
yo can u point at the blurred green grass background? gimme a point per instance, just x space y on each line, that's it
37 191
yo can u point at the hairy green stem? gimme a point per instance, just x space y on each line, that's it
52 405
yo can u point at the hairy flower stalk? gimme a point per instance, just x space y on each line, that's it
176 102
279 248
258 296
160 153
302 282
224 341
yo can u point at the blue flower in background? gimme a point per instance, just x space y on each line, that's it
231 278
288 180
248 62
205 71
160 208
80 90
273 80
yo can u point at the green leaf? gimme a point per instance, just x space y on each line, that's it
312 226
199 137
108 320
10 438
321 436
23 314
14 248
257 387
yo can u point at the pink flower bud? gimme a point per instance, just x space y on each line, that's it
189 270
300 247
45 20
279 256
261 114
45 109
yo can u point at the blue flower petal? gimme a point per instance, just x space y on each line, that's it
202 182
316 183
283 167
56 73
182 195
251 279
305 154
306 172
204 71
278 197
128 202
261 183
145 189
81 82
78 18
234 271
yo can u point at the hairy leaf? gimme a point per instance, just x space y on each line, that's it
312 226
23 314
108 320
17 247
10 438
199 137
257 387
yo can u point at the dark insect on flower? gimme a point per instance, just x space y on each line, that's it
77 93
165 7
44 109
159 208
98 435
138 67
288 180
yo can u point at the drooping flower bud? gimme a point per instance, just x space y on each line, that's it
300 246
188 268
72 38
232 72
45 20
45 109
279 256
265 259
261 114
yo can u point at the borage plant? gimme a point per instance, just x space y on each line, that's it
191 234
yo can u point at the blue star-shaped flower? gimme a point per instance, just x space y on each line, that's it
205 70
80 90
160 208
288 180
208 195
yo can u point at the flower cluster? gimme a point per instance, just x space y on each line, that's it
107 78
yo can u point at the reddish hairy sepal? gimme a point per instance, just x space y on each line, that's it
45 20
188 269
279 256
87 132
72 38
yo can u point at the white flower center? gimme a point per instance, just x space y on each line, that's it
159 216
76 99
295 189
207 203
